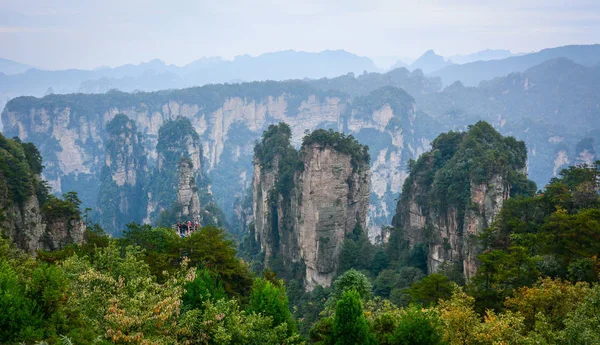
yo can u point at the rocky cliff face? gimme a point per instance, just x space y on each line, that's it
266 212
29 224
187 191
451 235
135 190
172 186
123 176
305 205
31 231
332 199
71 132
455 190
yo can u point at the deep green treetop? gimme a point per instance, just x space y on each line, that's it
341 143
275 142
352 280
458 159
271 299
18 165
174 134
349 324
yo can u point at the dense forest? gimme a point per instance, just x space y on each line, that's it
537 282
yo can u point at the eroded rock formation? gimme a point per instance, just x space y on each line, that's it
306 203
73 137
187 191
124 176
455 190
32 218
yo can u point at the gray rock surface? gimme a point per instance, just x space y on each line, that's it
330 197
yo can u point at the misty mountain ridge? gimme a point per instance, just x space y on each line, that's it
429 62
12 67
471 74
283 65
483 55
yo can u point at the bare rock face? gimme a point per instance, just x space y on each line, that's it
300 226
452 239
123 160
489 198
30 231
30 225
24 224
332 198
62 232
173 181
123 176
263 208
187 192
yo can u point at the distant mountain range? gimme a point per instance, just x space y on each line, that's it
157 75
12 67
471 74
484 55
429 62
18 79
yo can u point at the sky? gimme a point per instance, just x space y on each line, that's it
86 34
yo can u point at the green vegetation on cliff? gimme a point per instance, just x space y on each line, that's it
173 140
458 160
340 142
20 163
20 169
121 204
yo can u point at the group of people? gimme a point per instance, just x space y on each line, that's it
185 229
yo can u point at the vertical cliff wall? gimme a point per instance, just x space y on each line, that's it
332 198
121 196
31 217
172 192
306 202
71 132
455 190
187 191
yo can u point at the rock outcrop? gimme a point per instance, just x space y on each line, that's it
306 203
187 191
33 219
332 199
124 176
455 190
28 228
134 191
172 188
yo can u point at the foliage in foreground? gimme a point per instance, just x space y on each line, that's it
112 292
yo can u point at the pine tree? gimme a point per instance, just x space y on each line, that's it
349 324
269 299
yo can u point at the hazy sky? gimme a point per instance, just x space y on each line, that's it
90 33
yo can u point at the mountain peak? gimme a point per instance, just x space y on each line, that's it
429 62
